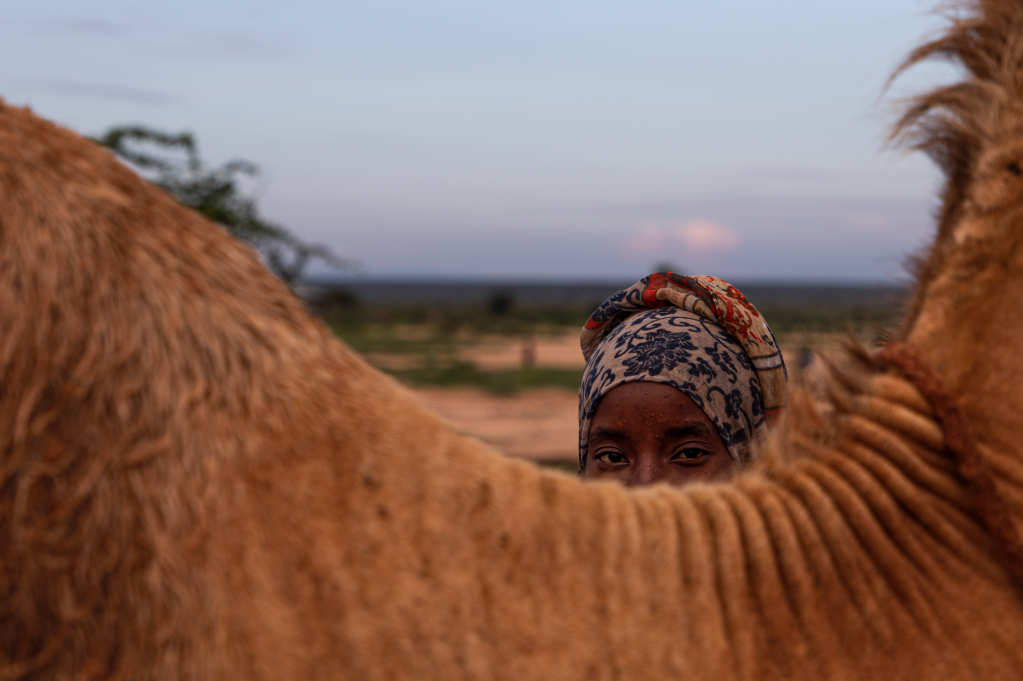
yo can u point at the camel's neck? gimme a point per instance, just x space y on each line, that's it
968 327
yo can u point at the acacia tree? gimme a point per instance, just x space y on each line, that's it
171 161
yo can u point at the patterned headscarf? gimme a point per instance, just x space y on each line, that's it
698 334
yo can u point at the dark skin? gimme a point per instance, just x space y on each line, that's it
644 433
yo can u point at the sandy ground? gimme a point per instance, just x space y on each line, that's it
535 424
494 354
497 353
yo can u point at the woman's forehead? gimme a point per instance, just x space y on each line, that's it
646 401
634 413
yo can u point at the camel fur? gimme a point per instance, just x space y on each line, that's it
198 482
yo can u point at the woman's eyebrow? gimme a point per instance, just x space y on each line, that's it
607 434
697 429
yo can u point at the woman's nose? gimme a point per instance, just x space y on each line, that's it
646 470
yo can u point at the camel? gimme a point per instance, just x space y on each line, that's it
198 481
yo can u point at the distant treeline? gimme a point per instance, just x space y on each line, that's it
515 307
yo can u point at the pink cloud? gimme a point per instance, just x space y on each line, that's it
704 236
697 237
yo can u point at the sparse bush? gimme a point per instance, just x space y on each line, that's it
171 161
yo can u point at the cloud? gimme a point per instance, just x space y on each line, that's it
698 237
228 44
707 237
86 25
165 38
107 91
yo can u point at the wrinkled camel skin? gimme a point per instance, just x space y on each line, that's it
198 481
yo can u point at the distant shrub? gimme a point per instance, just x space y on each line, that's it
500 304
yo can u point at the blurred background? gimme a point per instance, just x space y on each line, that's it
455 185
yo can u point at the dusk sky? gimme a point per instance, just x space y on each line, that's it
553 138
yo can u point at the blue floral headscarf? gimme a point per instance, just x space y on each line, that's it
697 334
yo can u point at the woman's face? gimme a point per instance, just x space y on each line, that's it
644 433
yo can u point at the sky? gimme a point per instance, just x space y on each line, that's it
553 139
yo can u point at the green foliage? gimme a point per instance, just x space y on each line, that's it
365 327
505 381
432 336
171 161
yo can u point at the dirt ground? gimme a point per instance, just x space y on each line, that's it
496 353
532 424
555 352
539 424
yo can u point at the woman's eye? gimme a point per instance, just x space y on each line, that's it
691 453
612 457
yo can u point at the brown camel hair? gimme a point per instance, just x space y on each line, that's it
198 481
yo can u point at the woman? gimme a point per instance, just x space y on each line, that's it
682 375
